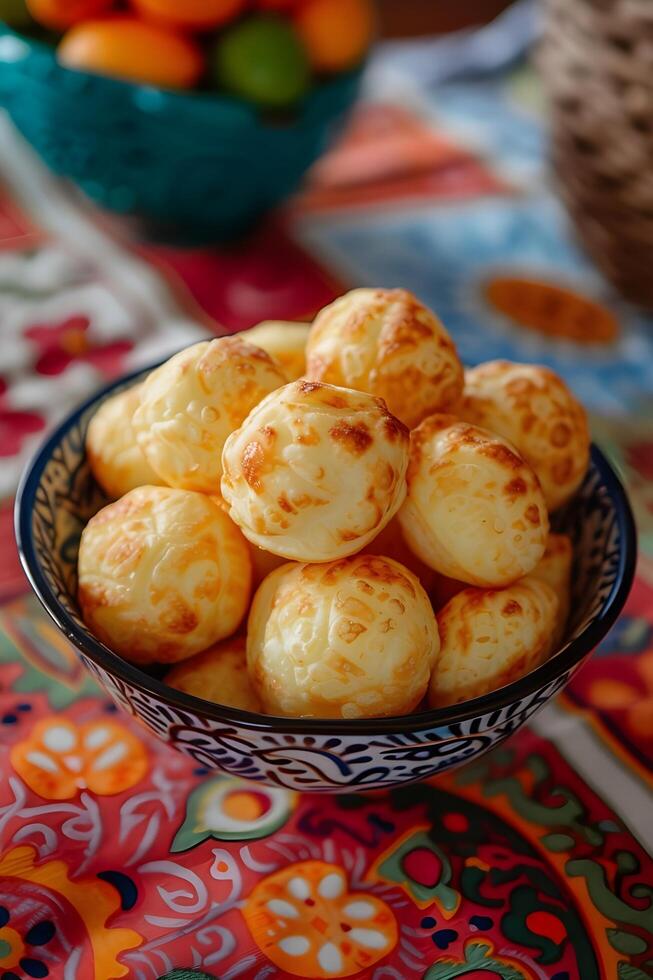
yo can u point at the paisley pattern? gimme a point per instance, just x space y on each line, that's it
60 495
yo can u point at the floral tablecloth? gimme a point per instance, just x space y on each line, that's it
535 862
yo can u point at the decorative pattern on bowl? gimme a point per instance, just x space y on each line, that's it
58 495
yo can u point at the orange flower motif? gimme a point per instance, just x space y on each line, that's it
93 900
308 923
59 758
12 948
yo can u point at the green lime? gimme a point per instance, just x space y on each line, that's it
261 59
15 13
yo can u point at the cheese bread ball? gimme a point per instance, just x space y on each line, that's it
388 343
218 674
113 454
555 569
490 638
190 404
474 510
283 340
315 472
354 638
533 407
392 544
163 574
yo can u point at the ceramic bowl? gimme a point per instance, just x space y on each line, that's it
57 497
191 165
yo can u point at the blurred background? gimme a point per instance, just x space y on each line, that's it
169 171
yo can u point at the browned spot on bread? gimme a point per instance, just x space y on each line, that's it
511 608
253 463
309 437
93 595
308 387
520 386
132 503
348 631
394 429
516 487
502 455
354 437
533 515
305 500
269 434
285 504
326 394
178 617
343 666
125 551
422 435
562 470
346 535
560 435
378 569
232 347
528 421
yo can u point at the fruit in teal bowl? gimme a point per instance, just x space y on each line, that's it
197 165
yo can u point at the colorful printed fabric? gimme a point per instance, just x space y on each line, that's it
119 857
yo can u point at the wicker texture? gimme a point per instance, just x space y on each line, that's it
597 61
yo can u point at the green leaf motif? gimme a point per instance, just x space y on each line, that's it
626 971
394 869
626 942
558 842
230 809
605 900
477 957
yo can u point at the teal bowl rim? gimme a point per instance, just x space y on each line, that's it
148 98
558 664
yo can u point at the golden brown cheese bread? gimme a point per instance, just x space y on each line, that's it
355 638
315 472
163 574
491 637
533 408
218 674
190 404
554 568
112 451
474 510
388 343
283 340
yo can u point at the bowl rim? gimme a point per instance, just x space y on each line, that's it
565 659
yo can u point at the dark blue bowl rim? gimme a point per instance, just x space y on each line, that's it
98 653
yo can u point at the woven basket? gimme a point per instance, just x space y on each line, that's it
597 62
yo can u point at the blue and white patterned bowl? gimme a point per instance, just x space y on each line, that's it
57 497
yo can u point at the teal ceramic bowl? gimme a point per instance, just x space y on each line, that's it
198 165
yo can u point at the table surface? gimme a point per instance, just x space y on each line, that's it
534 863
